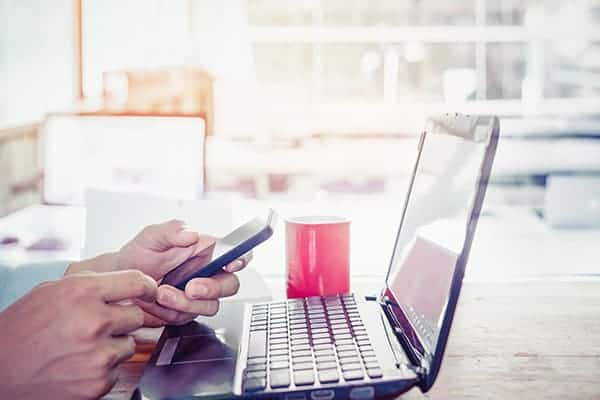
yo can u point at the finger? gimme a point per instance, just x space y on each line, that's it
125 318
223 284
152 321
174 233
123 285
204 242
123 347
240 263
176 299
168 315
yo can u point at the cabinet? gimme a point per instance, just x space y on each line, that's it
20 170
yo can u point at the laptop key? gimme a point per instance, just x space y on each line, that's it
372 364
329 376
279 336
322 341
255 384
347 354
351 366
340 331
280 378
279 365
257 344
303 359
323 335
303 366
365 349
280 352
258 328
322 360
345 347
298 326
299 336
353 375
338 326
304 377
374 372
326 365
256 374
300 347
324 352
368 353
256 360
350 360
256 367
342 336
301 353
278 358
297 344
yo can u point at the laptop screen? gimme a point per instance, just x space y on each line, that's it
433 232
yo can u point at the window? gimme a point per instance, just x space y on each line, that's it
326 56
396 52
36 59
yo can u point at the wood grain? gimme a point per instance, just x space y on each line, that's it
528 340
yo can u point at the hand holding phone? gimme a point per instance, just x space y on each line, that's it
223 251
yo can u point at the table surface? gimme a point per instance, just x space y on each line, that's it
527 339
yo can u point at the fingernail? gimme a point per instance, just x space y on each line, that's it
186 232
235 266
199 290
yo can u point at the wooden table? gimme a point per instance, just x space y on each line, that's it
527 340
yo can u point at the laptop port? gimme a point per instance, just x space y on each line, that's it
295 396
324 394
362 393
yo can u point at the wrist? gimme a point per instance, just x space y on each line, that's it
103 263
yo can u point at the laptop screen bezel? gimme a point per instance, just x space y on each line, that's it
431 362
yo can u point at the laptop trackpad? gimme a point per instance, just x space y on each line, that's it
197 359
199 365
201 348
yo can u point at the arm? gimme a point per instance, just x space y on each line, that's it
65 339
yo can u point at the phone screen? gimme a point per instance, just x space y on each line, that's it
227 248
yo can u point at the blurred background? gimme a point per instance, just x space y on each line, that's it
314 103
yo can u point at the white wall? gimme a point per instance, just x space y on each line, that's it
36 58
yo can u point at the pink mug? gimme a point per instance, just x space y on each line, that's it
318 256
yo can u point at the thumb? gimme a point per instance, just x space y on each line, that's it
169 234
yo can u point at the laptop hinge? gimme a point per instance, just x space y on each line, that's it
418 363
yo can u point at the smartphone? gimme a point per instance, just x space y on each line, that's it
225 250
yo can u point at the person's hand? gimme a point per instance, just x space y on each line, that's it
65 339
156 250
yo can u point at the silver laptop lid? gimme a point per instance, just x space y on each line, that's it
440 214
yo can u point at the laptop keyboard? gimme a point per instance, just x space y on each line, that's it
302 342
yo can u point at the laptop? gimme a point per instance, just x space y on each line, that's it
350 346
